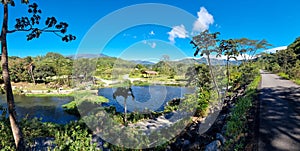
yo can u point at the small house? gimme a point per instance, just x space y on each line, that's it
149 73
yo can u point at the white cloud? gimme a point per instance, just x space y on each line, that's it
152 45
152 33
273 50
204 20
223 57
177 32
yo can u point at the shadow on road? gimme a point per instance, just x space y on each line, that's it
279 118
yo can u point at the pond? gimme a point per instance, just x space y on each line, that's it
145 97
48 108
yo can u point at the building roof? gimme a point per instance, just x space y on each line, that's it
150 72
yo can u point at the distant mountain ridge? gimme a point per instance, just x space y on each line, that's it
142 62
78 56
188 60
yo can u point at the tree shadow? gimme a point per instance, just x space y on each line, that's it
279 119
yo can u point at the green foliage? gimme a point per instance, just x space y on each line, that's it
283 75
164 68
83 98
295 46
236 125
284 62
199 76
73 136
248 72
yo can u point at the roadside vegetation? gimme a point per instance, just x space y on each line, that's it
285 63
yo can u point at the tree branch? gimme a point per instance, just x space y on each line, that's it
19 30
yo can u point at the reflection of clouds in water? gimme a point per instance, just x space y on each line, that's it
157 97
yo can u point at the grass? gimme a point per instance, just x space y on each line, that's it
287 77
237 123
297 81
283 75
49 95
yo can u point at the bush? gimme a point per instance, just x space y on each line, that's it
283 75
236 125
74 136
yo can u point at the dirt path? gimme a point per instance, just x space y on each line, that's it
279 124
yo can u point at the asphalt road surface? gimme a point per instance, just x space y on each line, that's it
279 115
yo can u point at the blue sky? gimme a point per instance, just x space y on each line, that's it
139 36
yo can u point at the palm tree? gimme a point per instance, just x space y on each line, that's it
124 92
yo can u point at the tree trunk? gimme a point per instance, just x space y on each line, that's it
125 112
31 73
17 133
228 76
213 76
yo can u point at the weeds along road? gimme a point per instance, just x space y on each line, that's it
279 115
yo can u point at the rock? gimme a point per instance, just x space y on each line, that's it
221 138
223 131
213 146
168 148
186 143
99 142
194 146
153 127
42 143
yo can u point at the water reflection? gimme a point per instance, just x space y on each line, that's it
145 97
48 108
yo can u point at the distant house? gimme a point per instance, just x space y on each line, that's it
149 73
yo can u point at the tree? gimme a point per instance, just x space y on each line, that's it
124 92
164 68
199 75
229 49
205 44
295 46
286 59
248 48
24 24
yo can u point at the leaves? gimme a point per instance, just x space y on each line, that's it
68 38
11 2
25 1
205 43
51 21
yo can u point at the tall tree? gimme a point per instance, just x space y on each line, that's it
248 47
24 24
206 43
229 49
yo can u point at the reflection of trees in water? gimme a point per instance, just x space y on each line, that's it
124 92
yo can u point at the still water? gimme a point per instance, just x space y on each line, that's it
145 97
48 108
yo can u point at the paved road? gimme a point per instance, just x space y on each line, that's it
279 119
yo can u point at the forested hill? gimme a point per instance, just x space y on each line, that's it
41 68
285 62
